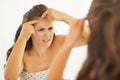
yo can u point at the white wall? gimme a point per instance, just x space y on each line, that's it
11 12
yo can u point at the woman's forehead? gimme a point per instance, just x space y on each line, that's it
44 23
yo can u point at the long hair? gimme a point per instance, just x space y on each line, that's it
103 60
35 12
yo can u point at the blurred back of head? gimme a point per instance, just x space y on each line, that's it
103 61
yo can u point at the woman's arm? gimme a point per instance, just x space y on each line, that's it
84 36
57 68
52 14
14 64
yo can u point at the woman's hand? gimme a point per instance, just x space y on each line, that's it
27 29
52 14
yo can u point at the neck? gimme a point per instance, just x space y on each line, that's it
38 51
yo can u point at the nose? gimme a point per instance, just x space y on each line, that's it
47 33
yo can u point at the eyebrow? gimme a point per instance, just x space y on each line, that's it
43 27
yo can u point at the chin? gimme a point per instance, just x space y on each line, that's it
46 45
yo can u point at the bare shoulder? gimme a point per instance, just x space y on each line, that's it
58 42
59 39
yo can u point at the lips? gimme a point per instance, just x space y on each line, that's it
46 40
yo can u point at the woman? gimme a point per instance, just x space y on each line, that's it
36 44
103 60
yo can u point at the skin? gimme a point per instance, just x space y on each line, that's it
58 65
44 48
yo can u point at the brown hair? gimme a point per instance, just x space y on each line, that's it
35 12
103 60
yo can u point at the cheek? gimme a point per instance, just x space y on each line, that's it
37 35
52 34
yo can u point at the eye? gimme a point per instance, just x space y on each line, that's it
51 28
42 29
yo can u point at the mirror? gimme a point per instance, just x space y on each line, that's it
11 17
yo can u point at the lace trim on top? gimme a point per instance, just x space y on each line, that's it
33 76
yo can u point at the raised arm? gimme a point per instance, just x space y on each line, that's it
57 68
14 65
52 14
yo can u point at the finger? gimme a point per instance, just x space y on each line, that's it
33 21
44 15
50 17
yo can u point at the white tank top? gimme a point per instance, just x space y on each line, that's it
33 76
